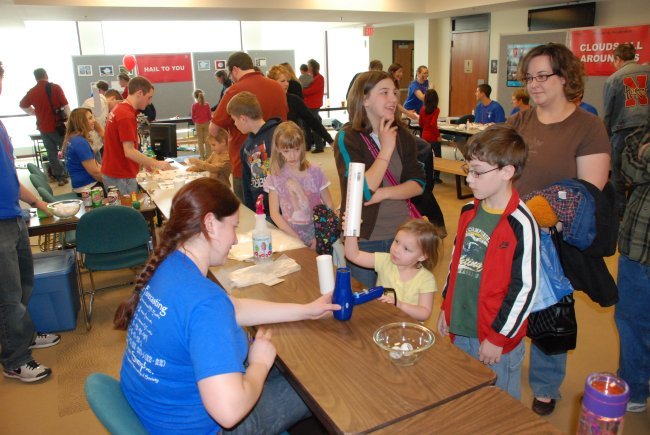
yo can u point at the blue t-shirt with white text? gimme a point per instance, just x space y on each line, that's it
184 330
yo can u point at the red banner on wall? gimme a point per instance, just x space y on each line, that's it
165 68
595 47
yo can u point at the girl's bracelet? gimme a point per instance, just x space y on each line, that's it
381 158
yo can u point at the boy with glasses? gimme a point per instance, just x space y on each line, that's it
494 264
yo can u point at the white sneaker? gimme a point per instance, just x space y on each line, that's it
636 407
43 340
31 371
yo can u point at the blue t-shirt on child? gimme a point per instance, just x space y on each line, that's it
184 330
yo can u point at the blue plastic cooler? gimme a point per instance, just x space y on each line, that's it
55 299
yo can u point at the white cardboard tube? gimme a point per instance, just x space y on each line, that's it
325 273
354 200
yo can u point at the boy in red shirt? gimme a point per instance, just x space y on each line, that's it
122 158
494 265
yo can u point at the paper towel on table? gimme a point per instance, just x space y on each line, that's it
280 240
266 273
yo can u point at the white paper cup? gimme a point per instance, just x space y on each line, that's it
325 273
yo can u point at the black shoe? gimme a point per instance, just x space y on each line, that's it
316 151
543 408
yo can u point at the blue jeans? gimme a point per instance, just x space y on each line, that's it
17 272
508 370
546 373
126 186
279 408
368 277
633 324
313 136
52 142
618 143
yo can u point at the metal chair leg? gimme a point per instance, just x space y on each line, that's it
87 308
82 296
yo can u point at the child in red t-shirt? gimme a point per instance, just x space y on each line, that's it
429 122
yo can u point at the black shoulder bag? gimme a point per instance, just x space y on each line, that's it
555 329
60 116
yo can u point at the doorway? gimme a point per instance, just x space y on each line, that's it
403 54
469 68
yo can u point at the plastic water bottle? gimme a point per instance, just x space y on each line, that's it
343 294
262 249
603 405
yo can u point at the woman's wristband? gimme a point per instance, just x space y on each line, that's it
381 158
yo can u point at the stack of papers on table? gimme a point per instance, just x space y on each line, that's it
266 273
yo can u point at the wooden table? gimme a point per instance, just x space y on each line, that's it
346 380
451 129
53 224
488 410
453 167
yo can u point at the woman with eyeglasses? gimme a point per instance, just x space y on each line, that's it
564 141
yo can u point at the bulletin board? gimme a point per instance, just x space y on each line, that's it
175 98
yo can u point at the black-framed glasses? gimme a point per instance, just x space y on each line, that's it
539 79
474 173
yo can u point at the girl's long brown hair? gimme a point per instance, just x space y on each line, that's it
362 86
77 125
189 207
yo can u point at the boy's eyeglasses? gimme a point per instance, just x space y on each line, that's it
474 173
539 79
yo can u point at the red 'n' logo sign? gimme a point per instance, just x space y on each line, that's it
636 90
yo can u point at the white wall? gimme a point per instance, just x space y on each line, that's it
348 54
440 60
503 23
622 13
381 43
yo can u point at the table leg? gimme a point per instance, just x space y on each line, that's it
459 189
152 229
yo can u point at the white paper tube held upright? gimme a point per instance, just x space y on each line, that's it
354 200
325 273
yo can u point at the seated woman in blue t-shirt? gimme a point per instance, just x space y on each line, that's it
188 365
80 162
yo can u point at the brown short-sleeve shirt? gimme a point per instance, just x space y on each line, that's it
553 148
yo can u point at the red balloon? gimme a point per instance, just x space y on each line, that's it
129 61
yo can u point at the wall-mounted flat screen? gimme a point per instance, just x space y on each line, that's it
562 17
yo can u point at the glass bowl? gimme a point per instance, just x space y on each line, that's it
66 208
404 343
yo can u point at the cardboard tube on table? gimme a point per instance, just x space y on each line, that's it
325 273
354 200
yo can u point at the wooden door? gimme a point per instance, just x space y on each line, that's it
469 65
403 54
